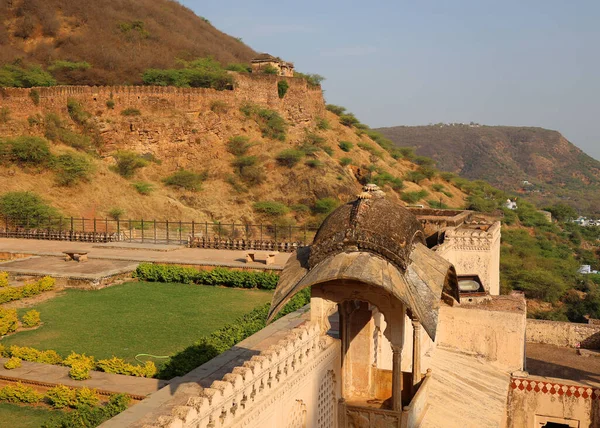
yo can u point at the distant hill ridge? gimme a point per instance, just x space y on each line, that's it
118 39
506 156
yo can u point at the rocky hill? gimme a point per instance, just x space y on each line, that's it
109 41
509 156
244 146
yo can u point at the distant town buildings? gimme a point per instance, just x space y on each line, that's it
511 205
587 270
264 62
586 222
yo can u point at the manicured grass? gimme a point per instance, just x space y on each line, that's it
15 416
134 318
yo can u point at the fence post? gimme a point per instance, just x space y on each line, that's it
71 233
60 229
180 226
219 245
49 226
193 230
94 237
130 231
142 222
118 229
155 231
167 222
82 224
205 230
275 226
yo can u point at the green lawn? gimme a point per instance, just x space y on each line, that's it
135 318
15 416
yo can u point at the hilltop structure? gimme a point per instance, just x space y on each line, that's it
406 328
265 61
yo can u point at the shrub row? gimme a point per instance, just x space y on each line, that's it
80 363
9 320
85 401
208 347
8 294
218 276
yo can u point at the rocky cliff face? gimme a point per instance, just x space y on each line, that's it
507 156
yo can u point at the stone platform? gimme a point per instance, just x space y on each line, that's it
112 262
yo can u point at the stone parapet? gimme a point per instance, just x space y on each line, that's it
239 397
558 333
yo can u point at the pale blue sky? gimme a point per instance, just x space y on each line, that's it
527 62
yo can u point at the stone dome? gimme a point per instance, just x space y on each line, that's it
370 223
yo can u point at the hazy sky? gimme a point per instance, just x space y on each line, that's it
526 62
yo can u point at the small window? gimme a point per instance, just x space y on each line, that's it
555 425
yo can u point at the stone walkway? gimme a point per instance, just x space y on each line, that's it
48 374
137 252
114 258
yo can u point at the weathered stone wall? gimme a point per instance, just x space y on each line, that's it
563 333
496 335
300 102
534 401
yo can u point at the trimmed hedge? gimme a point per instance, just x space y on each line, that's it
218 276
8 294
80 363
20 393
119 366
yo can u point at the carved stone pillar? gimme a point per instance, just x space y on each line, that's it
397 378
416 363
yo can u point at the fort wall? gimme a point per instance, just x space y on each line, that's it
299 103
567 334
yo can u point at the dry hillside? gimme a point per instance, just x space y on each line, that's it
190 129
506 156
117 38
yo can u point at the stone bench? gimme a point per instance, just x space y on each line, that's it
78 256
269 258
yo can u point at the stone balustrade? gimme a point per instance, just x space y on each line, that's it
237 399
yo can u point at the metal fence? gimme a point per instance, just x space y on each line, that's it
194 234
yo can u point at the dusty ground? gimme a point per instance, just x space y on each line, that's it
559 362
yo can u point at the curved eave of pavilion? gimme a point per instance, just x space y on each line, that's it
420 288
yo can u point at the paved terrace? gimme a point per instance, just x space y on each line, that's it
48 375
38 257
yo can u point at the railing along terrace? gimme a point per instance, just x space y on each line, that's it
233 236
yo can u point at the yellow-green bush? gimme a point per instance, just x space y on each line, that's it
8 294
79 358
19 393
86 397
8 321
12 363
31 318
79 371
3 279
3 352
46 283
35 355
61 396
119 366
